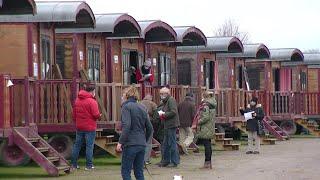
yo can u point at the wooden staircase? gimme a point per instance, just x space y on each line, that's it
40 151
266 140
156 148
275 130
226 144
311 126
106 143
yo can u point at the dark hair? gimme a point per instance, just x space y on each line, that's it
189 95
254 99
89 87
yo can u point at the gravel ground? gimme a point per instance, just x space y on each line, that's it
296 159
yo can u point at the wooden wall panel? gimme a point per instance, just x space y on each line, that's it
14 49
116 66
313 80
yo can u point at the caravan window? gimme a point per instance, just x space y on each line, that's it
164 69
94 62
46 57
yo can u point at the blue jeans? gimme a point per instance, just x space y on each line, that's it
132 157
148 150
170 147
89 137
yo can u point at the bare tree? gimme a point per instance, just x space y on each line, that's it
312 51
231 28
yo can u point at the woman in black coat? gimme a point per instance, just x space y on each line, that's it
254 125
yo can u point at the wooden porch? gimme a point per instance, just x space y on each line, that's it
48 103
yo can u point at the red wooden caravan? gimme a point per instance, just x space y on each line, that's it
103 52
289 76
212 72
30 103
312 61
253 56
188 65
160 48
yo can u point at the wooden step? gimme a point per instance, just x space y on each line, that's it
155 145
269 141
53 159
43 149
33 140
231 147
219 134
63 168
35 151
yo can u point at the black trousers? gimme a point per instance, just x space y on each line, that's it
207 148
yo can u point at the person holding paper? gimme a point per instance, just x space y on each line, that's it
144 74
254 115
169 115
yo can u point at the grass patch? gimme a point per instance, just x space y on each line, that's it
33 171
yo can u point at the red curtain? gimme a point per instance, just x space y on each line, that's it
285 79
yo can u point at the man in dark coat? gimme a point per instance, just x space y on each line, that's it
186 111
169 115
253 125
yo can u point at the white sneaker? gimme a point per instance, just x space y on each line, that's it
89 168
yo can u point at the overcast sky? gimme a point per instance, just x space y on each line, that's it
277 23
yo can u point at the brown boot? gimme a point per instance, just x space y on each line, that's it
207 165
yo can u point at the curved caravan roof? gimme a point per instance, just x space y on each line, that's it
118 25
256 51
250 51
11 7
64 14
216 44
286 54
311 58
190 36
157 31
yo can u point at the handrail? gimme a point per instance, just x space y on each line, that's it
44 101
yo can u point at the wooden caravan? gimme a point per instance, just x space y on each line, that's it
14 7
258 66
160 48
212 72
188 63
34 102
102 53
288 71
28 41
312 61
255 72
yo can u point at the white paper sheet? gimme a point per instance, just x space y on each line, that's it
248 115
161 112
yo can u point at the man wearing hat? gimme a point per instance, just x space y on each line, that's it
253 125
186 111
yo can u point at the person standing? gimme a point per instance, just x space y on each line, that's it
151 108
136 131
85 114
204 126
253 125
169 115
186 111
